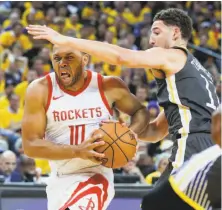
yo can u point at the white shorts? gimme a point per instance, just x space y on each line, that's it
80 192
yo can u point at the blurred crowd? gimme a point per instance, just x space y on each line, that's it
126 24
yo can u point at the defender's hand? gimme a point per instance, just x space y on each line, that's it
44 32
86 149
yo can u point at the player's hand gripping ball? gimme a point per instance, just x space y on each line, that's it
120 144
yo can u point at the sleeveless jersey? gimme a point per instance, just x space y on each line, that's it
188 98
72 116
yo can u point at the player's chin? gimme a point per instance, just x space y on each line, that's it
67 81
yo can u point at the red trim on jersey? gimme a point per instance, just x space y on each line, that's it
76 134
75 93
71 134
94 180
100 85
49 92
83 133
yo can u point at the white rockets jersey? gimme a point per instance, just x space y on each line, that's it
72 116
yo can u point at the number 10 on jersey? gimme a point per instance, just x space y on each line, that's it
77 134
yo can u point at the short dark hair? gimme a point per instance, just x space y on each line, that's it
176 17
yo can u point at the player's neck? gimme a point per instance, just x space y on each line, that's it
180 43
79 84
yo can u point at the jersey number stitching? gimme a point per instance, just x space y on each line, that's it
211 104
77 136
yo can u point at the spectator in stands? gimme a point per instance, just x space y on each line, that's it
145 164
38 66
141 94
49 19
9 162
18 149
161 163
4 99
131 169
2 82
33 12
113 70
20 89
13 18
8 38
45 55
28 169
3 146
11 116
13 75
154 109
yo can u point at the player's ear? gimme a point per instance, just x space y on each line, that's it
85 59
176 33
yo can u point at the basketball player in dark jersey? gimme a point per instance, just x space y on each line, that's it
197 184
185 88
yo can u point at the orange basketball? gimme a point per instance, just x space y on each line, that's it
120 145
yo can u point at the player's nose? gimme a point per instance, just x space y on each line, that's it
151 42
63 64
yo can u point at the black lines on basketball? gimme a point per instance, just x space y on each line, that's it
121 140
118 137
134 145
114 141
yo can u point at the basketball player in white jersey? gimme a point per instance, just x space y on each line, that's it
61 112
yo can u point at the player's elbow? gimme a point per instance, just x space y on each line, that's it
28 149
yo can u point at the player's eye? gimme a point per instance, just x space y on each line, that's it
56 58
70 57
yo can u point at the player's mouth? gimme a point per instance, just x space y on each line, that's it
65 76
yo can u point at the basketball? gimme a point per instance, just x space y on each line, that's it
120 145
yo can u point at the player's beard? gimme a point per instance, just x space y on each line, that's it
77 75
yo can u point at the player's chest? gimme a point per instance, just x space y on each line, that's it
76 110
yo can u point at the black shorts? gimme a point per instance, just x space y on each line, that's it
163 198
195 143
214 184
208 174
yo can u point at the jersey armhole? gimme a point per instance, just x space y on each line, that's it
49 81
102 94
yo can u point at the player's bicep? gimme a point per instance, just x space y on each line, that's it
128 104
34 119
125 101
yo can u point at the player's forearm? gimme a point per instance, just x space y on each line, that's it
40 148
153 132
109 53
139 121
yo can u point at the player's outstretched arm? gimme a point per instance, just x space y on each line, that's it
117 91
33 131
156 130
157 58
